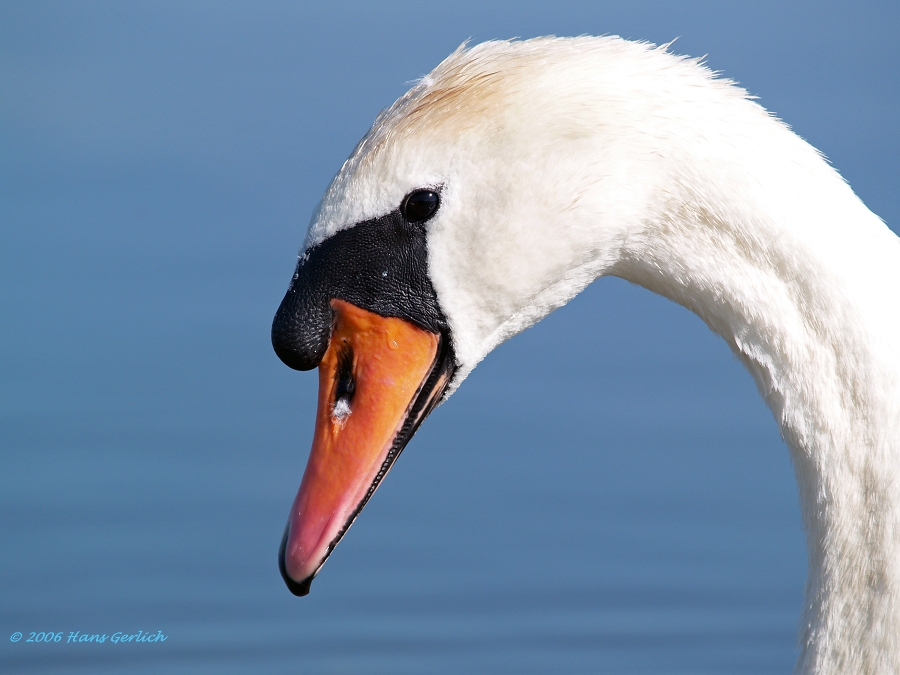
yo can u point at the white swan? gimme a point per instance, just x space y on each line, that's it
515 174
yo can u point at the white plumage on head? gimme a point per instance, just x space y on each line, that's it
561 160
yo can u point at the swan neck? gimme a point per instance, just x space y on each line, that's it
800 279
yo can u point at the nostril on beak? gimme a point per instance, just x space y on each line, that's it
346 382
345 386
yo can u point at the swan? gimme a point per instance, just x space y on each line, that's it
517 172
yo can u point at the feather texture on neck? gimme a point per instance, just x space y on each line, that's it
561 160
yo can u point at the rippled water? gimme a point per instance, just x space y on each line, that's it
605 494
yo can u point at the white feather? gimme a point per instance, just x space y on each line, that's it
561 160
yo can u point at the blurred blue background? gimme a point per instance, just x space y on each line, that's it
605 494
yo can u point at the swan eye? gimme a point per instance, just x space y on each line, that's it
420 205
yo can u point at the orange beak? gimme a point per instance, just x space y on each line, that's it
378 380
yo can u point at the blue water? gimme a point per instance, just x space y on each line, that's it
605 494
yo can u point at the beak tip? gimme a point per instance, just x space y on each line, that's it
298 588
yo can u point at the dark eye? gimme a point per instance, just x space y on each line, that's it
420 205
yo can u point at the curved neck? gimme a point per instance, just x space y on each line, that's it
628 161
801 281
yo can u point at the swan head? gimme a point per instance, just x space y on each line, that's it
534 160
490 194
